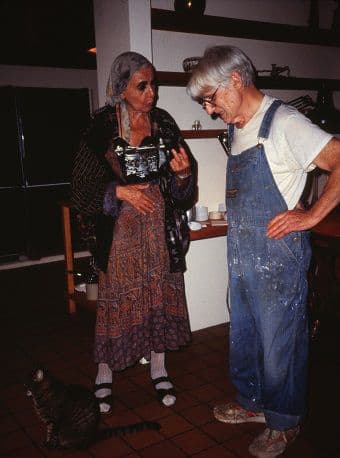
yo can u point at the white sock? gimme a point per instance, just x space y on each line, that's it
157 369
104 375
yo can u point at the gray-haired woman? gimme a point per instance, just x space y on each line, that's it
138 215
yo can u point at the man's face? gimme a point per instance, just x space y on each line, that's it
225 102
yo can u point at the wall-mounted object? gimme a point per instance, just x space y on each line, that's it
303 103
325 114
189 6
197 125
190 63
276 70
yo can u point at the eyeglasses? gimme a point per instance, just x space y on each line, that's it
210 100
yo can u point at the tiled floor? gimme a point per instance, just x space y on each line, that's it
36 327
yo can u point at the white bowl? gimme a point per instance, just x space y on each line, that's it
195 226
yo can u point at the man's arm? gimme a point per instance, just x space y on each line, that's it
298 220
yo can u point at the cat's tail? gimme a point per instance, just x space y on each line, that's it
107 433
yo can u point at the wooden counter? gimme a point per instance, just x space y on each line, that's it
209 231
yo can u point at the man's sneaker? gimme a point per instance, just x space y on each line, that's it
234 413
272 443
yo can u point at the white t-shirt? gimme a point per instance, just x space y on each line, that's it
293 143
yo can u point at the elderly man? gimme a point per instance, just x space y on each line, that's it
271 148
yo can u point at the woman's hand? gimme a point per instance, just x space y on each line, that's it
180 163
133 193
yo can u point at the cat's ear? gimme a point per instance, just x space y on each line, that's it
39 375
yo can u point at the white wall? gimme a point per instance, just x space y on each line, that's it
30 76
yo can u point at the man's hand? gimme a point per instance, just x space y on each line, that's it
289 221
180 163
136 197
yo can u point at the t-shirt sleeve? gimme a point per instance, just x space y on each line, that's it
305 140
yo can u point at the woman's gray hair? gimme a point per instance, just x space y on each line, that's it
122 69
216 67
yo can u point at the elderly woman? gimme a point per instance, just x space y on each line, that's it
137 207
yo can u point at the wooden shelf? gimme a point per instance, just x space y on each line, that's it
181 79
241 28
202 133
209 232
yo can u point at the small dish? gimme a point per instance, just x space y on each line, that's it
195 226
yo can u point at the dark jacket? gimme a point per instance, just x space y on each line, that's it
93 175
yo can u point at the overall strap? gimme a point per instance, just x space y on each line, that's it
267 119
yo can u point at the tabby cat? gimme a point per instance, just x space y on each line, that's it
71 413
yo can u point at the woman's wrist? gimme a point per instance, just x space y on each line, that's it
183 174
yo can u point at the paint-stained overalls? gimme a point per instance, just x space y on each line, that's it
268 291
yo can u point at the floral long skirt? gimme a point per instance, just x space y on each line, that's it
141 305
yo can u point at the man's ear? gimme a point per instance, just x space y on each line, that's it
236 80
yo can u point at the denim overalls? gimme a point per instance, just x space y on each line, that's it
268 291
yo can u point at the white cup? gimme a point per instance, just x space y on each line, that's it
201 213
91 291
221 207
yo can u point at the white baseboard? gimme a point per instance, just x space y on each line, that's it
46 260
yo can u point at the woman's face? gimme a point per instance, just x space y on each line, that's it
139 94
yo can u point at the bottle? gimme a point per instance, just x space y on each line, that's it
91 282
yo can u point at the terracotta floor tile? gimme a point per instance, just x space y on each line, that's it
121 386
210 374
215 358
134 399
14 440
193 441
115 447
37 434
124 417
221 432
13 391
188 381
199 350
27 452
165 449
27 417
207 393
174 425
198 415
184 400
153 411
302 448
215 452
239 445
144 439
8 424
117 407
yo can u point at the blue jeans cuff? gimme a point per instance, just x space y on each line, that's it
280 421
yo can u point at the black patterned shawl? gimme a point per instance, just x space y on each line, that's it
92 173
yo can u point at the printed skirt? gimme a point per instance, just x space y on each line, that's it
141 305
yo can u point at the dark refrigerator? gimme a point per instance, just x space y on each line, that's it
40 131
